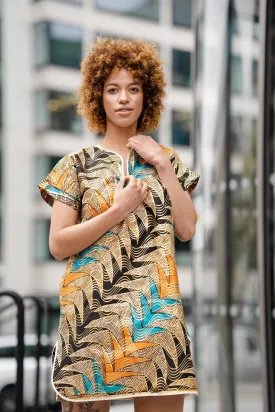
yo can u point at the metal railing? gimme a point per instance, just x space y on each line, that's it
18 300
42 309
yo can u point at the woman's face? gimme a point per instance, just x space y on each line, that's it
122 98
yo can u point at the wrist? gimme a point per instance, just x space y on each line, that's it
162 163
116 212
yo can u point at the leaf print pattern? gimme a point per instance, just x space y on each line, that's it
121 328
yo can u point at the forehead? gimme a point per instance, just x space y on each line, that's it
120 76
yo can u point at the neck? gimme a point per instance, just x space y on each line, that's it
117 137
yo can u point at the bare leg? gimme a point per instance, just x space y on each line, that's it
162 403
98 406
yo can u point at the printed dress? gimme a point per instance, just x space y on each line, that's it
121 329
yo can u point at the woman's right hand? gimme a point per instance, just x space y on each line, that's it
127 199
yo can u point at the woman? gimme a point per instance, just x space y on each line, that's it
117 206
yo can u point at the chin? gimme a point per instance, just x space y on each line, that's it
125 123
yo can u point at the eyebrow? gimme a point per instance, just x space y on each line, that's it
115 84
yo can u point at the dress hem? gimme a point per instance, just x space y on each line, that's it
122 396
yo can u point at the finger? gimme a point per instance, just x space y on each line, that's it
132 180
145 185
139 183
122 181
145 188
145 192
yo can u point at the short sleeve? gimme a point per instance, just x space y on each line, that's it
187 178
62 184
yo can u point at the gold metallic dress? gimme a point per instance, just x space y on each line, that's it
121 330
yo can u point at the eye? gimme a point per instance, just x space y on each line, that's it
112 90
135 89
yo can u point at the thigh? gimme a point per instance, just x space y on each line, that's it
97 406
161 403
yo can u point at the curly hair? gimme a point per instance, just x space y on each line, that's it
141 59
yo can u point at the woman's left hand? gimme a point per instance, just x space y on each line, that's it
148 149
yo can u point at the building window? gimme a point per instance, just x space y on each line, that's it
41 240
236 75
56 111
145 9
182 13
42 167
181 128
255 75
181 68
57 44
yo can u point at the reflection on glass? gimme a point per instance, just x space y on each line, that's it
181 128
236 75
245 286
209 257
182 13
226 272
146 9
56 111
245 19
255 72
245 290
181 68
58 44
41 240
183 256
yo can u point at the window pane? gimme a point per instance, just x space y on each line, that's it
41 114
236 75
41 240
255 73
43 165
59 44
56 111
181 68
182 12
181 128
146 9
41 44
65 45
7 352
118 36
61 107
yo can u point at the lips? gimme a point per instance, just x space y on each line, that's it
124 109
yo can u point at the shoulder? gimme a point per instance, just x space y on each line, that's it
80 155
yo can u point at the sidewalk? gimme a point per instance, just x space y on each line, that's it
128 406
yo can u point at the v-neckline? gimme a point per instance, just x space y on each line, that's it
121 158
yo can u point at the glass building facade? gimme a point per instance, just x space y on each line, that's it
233 250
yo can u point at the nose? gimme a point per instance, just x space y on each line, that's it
123 97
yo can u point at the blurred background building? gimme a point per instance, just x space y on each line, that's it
218 60
44 42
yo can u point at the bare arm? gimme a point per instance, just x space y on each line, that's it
183 210
68 238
